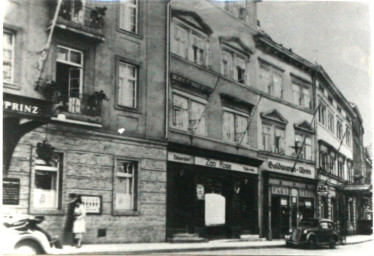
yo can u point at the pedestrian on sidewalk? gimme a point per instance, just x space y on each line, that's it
79 226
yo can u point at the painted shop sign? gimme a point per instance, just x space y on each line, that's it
180 158
11 191
280 191
92 204
306 193
301 170
213 163
225 165
15 104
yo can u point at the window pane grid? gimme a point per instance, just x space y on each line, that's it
8 56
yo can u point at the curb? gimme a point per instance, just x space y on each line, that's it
218 248
360 242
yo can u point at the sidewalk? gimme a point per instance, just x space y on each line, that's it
147 248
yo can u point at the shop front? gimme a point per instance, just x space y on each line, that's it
288 196
211 197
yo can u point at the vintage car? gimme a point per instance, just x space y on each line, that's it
313 233
24 236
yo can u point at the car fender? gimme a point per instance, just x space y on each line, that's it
311 234
37 237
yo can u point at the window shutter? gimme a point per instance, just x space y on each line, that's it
207 54
190 44
123 15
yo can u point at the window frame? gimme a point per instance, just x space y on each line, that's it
301 99
190 99
339 128
236 113
273 131
330 122
80 66
233 73
304 150
272 72
135 187
137 67
59 210
12 61
124 5
191 32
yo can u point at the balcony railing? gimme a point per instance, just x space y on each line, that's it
74 16
87 105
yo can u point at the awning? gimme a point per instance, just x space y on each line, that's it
357 189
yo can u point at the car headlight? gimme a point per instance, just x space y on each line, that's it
290 230
305 231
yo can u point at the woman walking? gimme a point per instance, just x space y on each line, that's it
79 226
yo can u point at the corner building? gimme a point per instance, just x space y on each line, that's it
96 49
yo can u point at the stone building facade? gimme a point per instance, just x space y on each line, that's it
107 129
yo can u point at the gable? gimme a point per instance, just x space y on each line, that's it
236 43
304 126
274 116
192 19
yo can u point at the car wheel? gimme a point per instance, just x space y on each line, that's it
312 243
28 248
332 243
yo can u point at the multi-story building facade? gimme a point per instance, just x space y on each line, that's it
285 121
105 68
163 118
212 159
335 153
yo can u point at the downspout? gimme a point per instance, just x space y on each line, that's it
168 14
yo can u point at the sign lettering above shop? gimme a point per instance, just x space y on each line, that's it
19 107
224 165
280 191
213 163
287 167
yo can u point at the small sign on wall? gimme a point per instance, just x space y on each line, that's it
92 204
200 193
11 191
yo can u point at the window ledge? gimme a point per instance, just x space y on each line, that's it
62 118
126 213
134 35
127 109
47 211
11 86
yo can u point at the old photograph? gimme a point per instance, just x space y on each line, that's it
206 127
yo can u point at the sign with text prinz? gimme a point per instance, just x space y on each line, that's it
301 170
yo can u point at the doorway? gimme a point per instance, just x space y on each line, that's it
279 216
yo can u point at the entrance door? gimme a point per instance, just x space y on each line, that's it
248 207
279 216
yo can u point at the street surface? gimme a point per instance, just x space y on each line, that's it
361 249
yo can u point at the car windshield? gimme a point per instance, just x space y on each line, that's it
308 223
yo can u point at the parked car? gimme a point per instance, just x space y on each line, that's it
313 233
24 236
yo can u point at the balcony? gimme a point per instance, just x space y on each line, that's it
77 18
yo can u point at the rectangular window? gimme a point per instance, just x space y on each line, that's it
279 140
301 96
8 56
235 126
188 114
341 167
69 77
266 137
271 81
306 151
330 100
348 137
322 114
234 66
129 16
189 43
331 121
339 129
47 184
127 85
125 186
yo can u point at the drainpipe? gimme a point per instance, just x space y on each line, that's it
168 14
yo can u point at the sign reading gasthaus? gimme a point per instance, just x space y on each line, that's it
301 169
212 163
